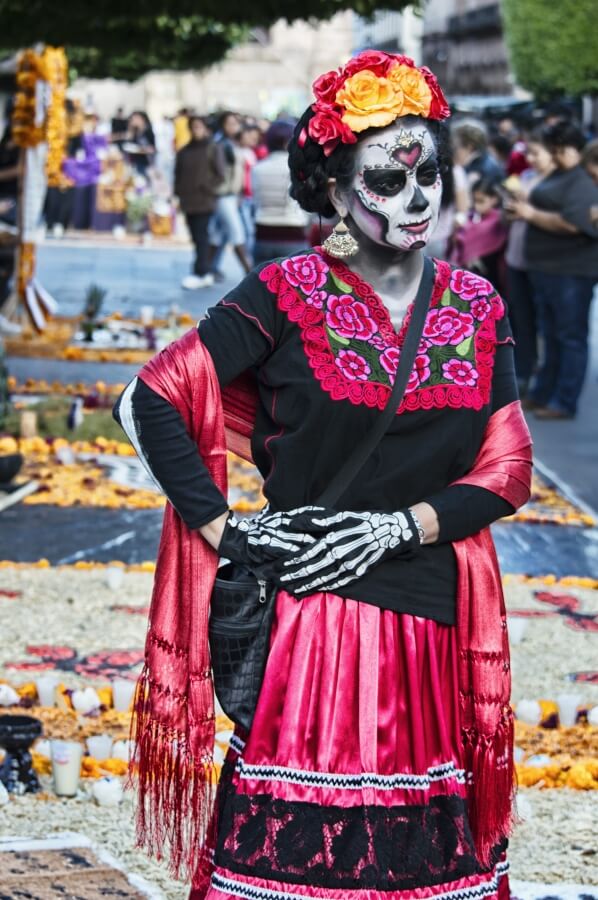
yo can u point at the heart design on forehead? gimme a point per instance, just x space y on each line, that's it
408 156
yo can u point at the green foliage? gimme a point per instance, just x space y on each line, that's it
102 39
553 46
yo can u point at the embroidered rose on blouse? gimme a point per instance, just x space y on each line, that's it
307 272
317 299
480 309
352 365
350 318
446 325
460 372
469 286
389 360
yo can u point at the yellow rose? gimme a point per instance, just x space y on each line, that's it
368 101
417 96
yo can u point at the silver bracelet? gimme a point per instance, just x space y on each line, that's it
418 525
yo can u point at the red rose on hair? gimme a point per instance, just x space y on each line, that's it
326 86
376 61
328 129
439 108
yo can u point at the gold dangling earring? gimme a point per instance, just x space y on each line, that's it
341 244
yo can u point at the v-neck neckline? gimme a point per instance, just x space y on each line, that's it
371 297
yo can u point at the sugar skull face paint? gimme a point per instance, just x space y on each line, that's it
395 195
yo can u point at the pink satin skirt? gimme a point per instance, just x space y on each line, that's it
350 783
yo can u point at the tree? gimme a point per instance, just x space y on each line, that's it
102 39
553 46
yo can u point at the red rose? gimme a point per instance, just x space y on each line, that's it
328 129
419 373
446 325
326 86
350 318
439 108
376 61
389 361
481 308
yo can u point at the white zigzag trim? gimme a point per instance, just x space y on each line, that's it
252 892
236 743
351 782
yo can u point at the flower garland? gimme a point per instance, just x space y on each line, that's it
56 121
371 91
27 130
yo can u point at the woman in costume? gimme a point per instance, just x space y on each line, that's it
380 755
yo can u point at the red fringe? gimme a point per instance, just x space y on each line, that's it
491 792
175 792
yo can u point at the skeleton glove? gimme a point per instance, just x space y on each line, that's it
264 538
349 544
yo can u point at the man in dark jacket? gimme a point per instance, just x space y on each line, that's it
199 170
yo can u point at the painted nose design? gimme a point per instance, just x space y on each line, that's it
418 202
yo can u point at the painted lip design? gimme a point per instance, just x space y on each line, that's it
415 227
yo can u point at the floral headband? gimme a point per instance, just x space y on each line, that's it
371 91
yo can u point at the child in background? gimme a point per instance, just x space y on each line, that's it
480 244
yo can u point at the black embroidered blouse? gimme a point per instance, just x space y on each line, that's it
324 352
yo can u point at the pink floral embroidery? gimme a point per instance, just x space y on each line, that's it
480 308
317 299
446 325
307 272
378 341
350 318
419 373
352 365
469 286
461 372
389 360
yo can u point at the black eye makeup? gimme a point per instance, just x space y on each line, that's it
385 182
427 173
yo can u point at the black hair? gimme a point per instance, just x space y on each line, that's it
311 169
278 135
224 116
501 144
564 134
490 187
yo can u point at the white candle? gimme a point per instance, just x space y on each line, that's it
124 750
593 716
107 791
517 628
123 691
146 314
46 689
529 711
66 767
99 746
567 704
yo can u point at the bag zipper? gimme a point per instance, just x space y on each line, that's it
262 595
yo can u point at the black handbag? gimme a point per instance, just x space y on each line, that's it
242 606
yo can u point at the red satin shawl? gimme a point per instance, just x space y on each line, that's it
174 710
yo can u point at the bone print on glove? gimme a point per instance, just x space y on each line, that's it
266 537
350 544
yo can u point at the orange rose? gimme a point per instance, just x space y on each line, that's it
410 83
368 101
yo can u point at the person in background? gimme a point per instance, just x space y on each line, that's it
140 145
226 226
182 129
249 139
517 161
589 160
9 192
520 292
454 209
561 252
118 127
480 244
499 147
470 150
280 223
199 169
83 167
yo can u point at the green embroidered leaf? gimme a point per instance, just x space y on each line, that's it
464 347
447 298
336 338
341 285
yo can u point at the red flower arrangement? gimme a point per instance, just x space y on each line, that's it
371 91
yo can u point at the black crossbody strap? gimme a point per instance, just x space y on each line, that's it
353 465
